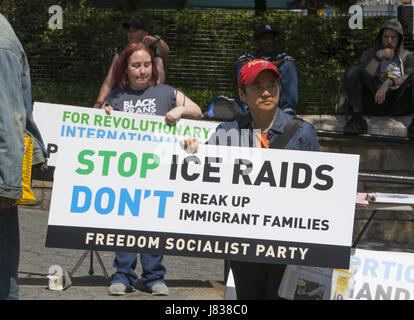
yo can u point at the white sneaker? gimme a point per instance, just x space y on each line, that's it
117 289
159 289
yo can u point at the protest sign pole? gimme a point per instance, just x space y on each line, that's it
84 255
361 233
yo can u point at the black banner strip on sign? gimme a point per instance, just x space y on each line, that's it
217 247
43 175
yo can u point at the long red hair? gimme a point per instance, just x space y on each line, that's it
120 75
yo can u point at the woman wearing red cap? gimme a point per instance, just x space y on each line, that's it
136 75
266 126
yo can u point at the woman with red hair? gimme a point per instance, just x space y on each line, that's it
136 74
138 91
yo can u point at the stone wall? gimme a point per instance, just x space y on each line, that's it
388 158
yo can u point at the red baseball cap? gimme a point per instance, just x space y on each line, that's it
250 70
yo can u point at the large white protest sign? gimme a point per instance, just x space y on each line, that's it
277 206
382 275
56 120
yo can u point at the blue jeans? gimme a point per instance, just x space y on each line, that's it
9 254
289 94
125 263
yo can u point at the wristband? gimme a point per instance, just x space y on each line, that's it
158 39
376 58
393 82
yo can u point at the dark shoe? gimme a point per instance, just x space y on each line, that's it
356 125
410 130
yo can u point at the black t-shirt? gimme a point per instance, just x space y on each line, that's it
154 100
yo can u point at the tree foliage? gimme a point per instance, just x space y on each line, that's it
69 65
313 5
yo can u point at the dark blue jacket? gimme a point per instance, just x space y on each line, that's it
240 133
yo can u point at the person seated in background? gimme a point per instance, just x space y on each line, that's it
265 39
383 83
263 126
139 30
16 120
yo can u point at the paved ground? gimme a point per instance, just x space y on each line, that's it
187 278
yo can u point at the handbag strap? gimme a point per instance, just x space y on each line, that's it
290 129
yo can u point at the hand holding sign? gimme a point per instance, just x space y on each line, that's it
190 145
